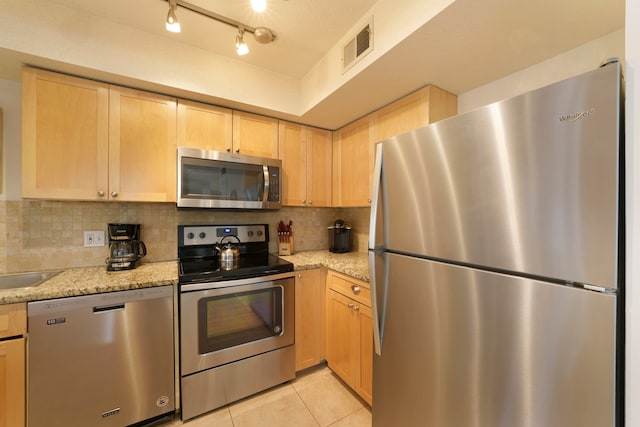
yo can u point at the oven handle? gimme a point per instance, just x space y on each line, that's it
189 287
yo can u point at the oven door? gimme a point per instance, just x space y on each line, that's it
226 321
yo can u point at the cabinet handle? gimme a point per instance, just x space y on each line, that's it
299 275
100 193
355 289
237 150
369 200
356 308
228 149
114 194
304 202
350 306
310 202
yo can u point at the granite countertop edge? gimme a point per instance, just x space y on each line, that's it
93 280
354 264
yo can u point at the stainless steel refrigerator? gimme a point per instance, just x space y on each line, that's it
496 257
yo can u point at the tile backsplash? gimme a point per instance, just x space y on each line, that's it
42 235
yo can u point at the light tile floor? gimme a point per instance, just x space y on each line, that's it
316 398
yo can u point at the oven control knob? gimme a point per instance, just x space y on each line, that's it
277 329
190 236
202 235
259 233
250 233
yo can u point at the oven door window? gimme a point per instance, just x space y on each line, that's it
219 180
233 319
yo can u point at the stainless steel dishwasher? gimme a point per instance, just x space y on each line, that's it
101 360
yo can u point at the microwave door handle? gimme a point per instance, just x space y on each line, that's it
265 171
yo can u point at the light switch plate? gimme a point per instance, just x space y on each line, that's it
93 238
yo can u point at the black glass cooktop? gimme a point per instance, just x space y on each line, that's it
209 269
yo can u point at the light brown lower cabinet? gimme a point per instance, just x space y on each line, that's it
310 286
349 336
12 365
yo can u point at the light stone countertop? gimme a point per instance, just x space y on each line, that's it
93 280
354 264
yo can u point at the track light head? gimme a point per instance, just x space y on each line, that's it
172 23
241 46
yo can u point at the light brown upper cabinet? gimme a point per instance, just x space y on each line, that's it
353 164
65 136
204 126
254 135
85 140
142 146
354 144
423 107
306 163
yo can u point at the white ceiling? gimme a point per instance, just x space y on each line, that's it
305 29
465 45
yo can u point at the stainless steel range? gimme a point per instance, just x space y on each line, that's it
236 315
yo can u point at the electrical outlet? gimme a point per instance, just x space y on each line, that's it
93 238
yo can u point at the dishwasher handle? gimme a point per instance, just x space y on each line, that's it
107 308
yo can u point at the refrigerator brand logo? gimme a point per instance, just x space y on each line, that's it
577 116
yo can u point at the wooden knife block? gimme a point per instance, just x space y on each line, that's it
286 248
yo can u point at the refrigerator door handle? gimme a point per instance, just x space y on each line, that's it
375 250
375 198
375 303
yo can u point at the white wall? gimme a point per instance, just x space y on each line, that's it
576 61
632 77
10 103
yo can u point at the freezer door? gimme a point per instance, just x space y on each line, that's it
464 347
529 184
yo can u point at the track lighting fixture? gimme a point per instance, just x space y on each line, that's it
172 20
241 46
262 35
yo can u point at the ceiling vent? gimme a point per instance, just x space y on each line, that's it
358 47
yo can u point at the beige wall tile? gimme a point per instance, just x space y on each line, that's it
37 235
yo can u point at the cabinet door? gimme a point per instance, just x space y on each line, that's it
353 165
13 320
255 135
293 153
310 285
342 336
319 172
142 146
12 383
424 106
364 385
411 112
204 126
65 136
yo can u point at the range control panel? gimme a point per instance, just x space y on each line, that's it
192 235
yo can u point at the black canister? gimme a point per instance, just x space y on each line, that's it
339 237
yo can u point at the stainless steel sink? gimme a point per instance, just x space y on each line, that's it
25 280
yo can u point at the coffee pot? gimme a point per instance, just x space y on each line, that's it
125 247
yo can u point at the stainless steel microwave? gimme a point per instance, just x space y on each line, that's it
216 179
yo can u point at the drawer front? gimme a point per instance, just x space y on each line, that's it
354 289
13 320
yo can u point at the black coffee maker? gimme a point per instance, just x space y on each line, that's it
339 237
125 247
